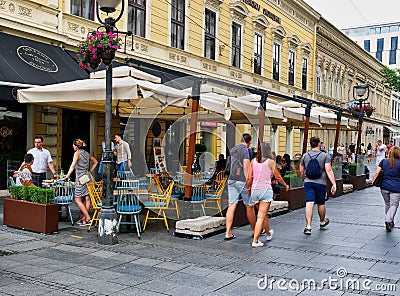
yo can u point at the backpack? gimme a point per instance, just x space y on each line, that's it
234 164
313 169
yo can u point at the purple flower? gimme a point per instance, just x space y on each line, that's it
109 44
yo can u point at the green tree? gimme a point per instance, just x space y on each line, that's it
392 78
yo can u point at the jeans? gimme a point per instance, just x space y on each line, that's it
121 166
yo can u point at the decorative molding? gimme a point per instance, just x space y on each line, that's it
214 4
293 41
209 67
306 48
239 11
278 32
260 23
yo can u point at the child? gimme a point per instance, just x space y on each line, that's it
24 173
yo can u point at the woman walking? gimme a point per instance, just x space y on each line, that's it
80 163
259 180
369 152
390 187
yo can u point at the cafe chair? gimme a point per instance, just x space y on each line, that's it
64 195
198 194
158 203
128 204
215 197
218 178
11 181
95 198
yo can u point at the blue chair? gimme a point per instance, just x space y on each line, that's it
11 181
198 195
64 195
128 204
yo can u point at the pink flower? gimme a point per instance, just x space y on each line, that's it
100 45
116 47
94 51
109 44
94 56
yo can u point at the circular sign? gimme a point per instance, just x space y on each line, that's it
25 175
36 59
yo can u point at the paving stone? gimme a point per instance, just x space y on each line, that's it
24 289
99 286
64 278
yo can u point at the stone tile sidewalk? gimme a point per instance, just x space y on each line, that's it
353 255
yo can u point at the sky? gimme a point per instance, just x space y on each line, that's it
352 13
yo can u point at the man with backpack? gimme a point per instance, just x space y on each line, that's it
315 166
238 165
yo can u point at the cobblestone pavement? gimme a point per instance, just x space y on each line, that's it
353 255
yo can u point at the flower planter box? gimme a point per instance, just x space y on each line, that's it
358 182
339 188
296 197
42 218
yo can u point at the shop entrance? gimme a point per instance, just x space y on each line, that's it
75 125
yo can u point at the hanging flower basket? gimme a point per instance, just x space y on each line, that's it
355 108
97 46
368 110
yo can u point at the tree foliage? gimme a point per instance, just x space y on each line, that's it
392 78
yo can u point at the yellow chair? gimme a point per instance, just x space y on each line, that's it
218 178
158 204
215 197
95 198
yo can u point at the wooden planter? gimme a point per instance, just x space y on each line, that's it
42 218
296 197
358 182
339 188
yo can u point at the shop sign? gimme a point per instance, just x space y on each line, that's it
36 59
265 11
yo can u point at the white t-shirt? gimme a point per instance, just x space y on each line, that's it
25 175
41 158
381 153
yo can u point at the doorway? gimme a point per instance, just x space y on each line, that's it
75 125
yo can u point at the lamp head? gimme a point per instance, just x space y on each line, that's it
108 6
361 89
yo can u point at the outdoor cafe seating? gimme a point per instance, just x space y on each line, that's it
128 204
64 195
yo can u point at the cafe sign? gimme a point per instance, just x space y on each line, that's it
36 59
264 11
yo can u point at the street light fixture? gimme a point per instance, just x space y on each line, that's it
108 216
362 91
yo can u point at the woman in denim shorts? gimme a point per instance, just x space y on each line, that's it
259 183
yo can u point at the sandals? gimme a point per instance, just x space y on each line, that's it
230 238
83 222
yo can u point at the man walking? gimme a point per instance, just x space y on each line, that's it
238 165
123 153
380 152
315 166
352 152
42 160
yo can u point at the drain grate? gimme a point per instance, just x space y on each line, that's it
5 252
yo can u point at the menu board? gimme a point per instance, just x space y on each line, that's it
159 155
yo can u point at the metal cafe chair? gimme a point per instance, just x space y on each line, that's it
128 204
215 197
95 198
198 194
64 195
158 204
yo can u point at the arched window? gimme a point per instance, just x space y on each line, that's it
325 82
319 73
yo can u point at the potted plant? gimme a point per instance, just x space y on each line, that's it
356 175
31 208
96 47
355 108
296 196
337 172
368 110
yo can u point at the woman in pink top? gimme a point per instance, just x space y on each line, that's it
260 174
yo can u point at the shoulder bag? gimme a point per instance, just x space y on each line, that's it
378 180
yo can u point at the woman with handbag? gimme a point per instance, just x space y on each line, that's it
80 163
390 187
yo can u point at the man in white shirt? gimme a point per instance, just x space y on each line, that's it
42 160
380 151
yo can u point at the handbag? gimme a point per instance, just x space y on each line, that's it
84 179
378 180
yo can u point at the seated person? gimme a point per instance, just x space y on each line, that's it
220 163
24 174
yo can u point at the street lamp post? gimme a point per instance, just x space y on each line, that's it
108 217
360 89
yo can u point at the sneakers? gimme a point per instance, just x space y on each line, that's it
269 237
324 224
307 230
388 226
257 244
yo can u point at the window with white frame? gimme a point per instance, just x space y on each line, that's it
341 89
178 24
291 69
304 72
137 17
336 86
276 58
319 74
83 8
325 82
331 85
258 48
209 35
236 44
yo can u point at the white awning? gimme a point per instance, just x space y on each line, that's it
392 129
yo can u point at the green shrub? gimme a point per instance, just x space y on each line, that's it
31 193
294 180
352 169
200 148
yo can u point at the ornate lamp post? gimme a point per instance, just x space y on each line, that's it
108 216
362 91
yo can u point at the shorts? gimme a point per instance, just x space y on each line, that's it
315 192
258 195
237 189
